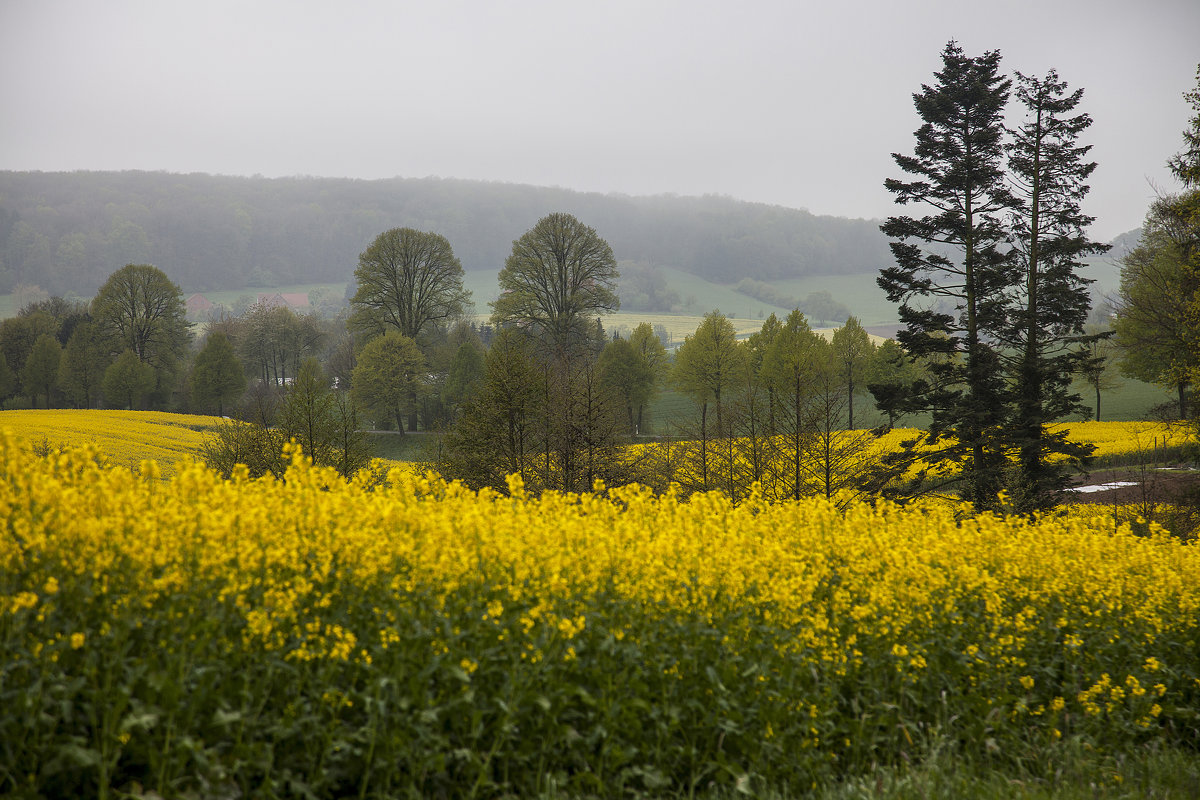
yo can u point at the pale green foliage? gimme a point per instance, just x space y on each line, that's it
624 370
852 351
709 361
389 374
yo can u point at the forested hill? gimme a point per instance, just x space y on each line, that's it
66 232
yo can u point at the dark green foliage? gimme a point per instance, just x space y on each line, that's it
40 373
1185 166
496 432
953 276
17 335
988 282
127 381
217 375
8 381
1046 336
1152 306
82 366
465 375
140 310
890 378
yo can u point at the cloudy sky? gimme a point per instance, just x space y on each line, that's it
782 102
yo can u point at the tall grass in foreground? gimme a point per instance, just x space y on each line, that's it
316 638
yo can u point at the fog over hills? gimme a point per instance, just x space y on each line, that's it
66 231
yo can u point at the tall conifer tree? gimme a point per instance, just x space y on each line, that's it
1048 170
953 275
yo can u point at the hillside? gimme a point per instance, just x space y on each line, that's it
66 232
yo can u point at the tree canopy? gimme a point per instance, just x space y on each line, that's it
408 280
559 276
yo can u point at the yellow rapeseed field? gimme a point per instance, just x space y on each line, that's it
125 438
416 634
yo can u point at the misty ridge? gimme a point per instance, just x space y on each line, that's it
66 232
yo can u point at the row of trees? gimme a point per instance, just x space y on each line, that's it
128 345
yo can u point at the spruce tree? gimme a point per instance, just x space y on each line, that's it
953 275
1048 170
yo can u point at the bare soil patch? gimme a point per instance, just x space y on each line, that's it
1166 485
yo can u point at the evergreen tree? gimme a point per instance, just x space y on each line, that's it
952 277
1048 170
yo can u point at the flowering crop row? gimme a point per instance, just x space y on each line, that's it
311 635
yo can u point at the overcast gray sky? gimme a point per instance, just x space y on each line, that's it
778 102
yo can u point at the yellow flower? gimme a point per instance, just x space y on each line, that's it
76 641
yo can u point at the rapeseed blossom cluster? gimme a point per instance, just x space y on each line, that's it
614 636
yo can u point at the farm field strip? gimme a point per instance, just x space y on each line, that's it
606 643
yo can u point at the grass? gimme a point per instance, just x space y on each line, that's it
1068 773
393 446
231 298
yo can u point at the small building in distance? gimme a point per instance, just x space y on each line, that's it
297 301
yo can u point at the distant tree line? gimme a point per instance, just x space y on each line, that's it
65 231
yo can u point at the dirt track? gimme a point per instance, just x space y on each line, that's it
1157 485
